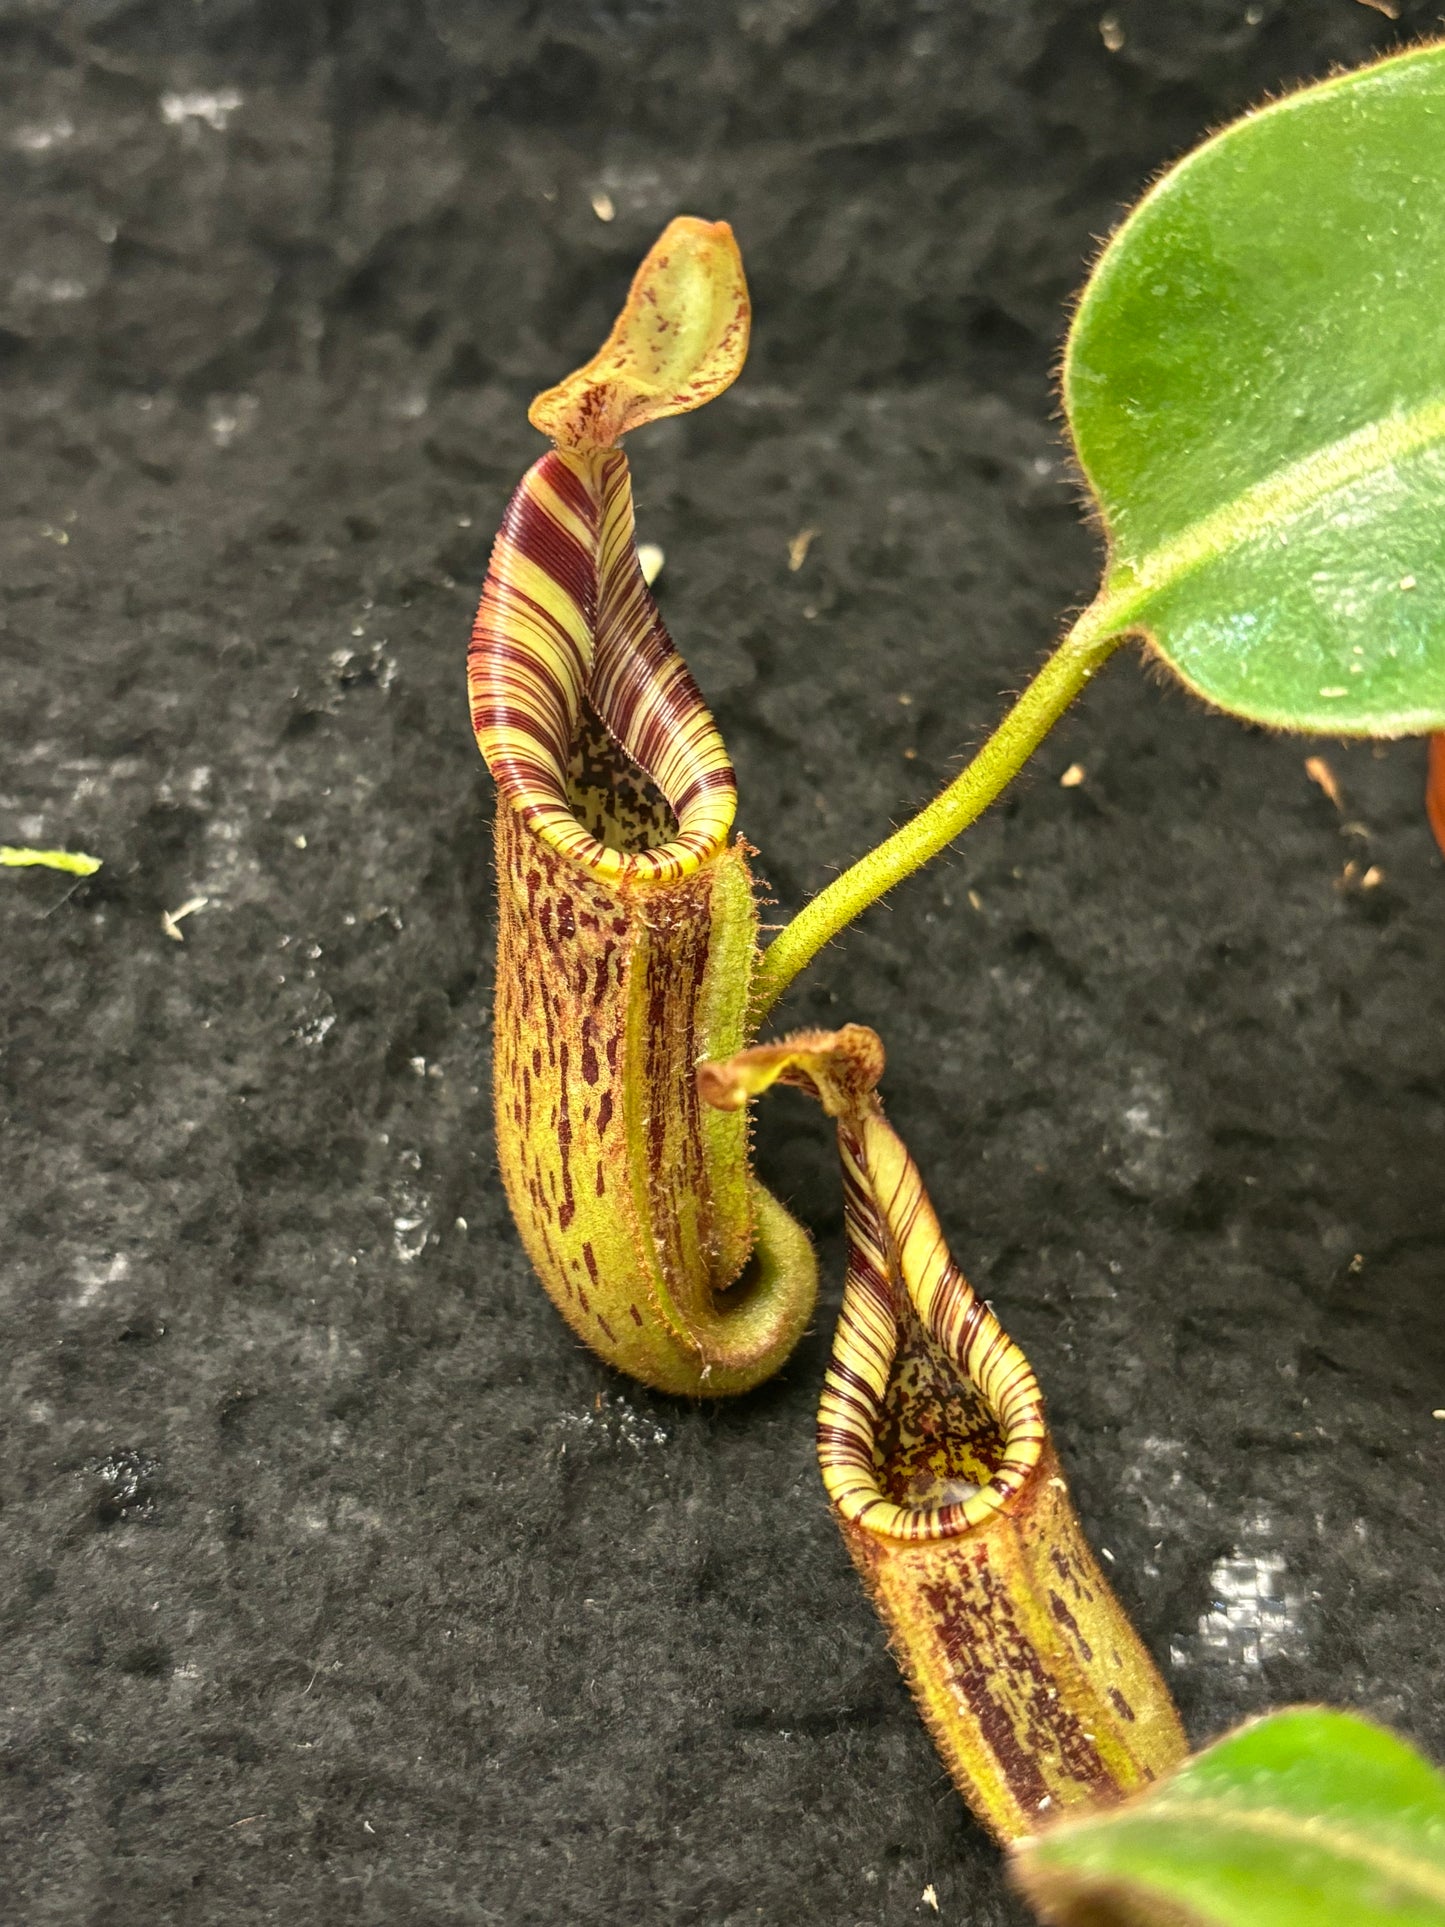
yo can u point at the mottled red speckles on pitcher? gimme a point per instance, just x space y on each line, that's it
933 1447
627 930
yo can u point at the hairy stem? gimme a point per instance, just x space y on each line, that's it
1085 649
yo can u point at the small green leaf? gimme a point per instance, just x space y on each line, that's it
1255 380
1308 1818
71 861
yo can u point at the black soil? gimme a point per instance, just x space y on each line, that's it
338 1583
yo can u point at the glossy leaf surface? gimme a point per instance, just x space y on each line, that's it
1255 381
1306 1817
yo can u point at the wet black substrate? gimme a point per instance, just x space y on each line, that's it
338 1583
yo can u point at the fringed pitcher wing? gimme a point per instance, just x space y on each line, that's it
935 1454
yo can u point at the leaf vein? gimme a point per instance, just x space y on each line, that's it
1321 1833
1267 508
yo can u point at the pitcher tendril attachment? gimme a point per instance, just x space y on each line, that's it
938 1464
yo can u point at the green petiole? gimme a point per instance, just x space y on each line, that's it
1078 658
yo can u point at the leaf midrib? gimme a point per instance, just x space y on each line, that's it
1269 507
1320 1834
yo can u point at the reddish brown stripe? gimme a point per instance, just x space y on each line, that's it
535 533
566 483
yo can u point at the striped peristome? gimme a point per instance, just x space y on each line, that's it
937 1459
626 924
566 620
892 1230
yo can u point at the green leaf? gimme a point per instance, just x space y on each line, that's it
1255 380
1308 1818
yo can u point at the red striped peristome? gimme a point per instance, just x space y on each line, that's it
566 624
1435 790
892 1231
626 923
936 1457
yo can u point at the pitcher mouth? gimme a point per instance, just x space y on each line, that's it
921 1439
931 1419
588 717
